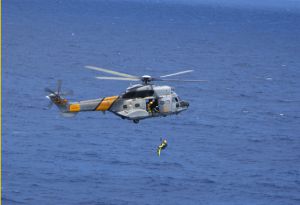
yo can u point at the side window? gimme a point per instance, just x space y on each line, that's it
174 99
137 105
129 95
144 93
125 106
138 94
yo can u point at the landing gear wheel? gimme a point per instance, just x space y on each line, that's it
136 121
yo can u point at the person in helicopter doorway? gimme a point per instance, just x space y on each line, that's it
152 106
162 146
155 106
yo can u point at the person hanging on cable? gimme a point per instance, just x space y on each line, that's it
162 146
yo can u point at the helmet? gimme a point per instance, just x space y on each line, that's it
165 141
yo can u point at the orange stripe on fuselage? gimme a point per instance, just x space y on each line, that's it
106 103
74 107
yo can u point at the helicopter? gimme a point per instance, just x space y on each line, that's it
139 101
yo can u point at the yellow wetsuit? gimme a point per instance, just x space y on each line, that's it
163 145
149 106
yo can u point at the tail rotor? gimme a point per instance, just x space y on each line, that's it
57 97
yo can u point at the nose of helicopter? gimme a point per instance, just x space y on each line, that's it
184 104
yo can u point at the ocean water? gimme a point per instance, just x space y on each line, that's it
238 143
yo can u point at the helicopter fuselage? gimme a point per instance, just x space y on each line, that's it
145 101
137 103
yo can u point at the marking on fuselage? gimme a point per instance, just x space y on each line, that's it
74 107
106 103
99 104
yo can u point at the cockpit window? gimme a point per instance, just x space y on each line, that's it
138 94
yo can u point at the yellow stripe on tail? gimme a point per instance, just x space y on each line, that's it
74 107
106 103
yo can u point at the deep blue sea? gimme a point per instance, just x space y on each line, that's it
238 143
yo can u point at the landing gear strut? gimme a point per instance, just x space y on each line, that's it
136 121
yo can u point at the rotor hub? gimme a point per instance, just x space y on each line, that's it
146 79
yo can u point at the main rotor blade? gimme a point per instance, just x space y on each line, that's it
117 78
179 73
177 80
110 72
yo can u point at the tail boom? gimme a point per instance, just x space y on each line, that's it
100 104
